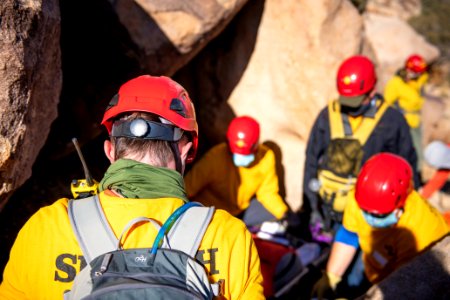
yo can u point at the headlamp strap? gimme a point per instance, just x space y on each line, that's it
144 129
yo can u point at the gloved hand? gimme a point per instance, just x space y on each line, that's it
325 287
274 227
316 227
292 219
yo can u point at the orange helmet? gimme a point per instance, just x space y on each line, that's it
383 184
243 135
355 77
416 64
157 95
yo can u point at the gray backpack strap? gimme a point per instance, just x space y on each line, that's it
187 233
91 228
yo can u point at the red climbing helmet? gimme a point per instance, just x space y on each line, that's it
383 184
416 64
157 95
355 78
243 135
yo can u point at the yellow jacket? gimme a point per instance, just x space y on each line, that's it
407 96
215 181
385 249
46 257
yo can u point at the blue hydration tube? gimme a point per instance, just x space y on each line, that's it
169 223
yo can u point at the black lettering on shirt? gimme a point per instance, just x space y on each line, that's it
211 261
65 264
68 267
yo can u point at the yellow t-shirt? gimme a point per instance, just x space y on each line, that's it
408 97
46 256
385 249
215 181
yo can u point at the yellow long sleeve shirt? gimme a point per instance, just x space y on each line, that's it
215 181
385 249
408 97
46 256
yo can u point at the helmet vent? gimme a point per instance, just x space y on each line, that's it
177 106
361 84
113 102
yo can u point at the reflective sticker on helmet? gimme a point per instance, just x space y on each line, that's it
240 144
347 80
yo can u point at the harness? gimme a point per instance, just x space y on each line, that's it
342 160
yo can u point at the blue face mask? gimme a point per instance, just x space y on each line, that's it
383 222
240 160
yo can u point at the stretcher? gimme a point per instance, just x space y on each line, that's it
286 261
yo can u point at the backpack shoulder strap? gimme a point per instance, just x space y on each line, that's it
91 228
338 126
187 233
369 124
336 123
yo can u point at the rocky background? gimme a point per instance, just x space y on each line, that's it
61 62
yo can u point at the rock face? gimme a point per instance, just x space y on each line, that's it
168 33
401 9
276 62
279 67
30 84
425 277
290 76
392 41
284 73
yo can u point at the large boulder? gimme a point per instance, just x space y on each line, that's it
400 9
278 64
425 277
30 84
168 33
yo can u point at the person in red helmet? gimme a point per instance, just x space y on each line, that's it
345 134
239 176
153 134
405 92
387 218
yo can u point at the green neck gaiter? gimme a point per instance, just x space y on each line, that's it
133 179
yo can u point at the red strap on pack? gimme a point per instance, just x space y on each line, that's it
435 183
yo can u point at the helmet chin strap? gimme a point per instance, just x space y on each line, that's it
177 157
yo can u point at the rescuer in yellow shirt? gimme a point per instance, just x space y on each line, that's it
404 91
239 176
153 133
389 220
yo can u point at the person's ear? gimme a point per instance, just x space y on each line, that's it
184 150
109 149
